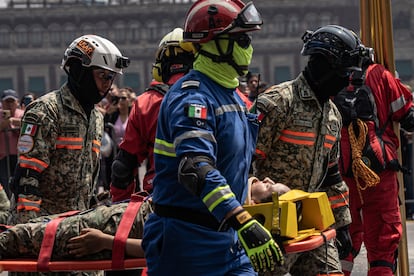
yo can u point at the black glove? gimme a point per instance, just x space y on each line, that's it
343 242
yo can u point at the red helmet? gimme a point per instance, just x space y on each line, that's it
208 18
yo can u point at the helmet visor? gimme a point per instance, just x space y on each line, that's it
248 19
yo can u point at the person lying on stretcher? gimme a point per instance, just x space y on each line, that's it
90 234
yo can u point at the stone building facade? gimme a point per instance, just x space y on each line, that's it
35 33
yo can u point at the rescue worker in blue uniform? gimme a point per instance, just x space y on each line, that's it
203 149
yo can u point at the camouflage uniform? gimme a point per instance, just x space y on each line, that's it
24 240
4 206
298 143
58 155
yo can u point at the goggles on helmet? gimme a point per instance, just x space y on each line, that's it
247 19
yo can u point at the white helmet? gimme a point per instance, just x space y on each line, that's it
93 50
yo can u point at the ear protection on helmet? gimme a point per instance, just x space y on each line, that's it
173 56
157 72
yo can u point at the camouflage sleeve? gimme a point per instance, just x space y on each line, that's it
42 118
337 190
338 195
273 107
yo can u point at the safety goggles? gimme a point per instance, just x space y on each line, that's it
105 75
248 19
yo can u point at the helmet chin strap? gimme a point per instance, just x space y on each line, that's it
225 57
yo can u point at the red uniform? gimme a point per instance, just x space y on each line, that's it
375 210
140 134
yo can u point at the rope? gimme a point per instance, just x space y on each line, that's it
359 168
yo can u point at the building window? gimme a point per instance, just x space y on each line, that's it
120 32
36 36
37 85
282 73
131 80
54 35
4 37
21 36
404 69
6 83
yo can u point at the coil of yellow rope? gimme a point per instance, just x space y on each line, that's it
359 168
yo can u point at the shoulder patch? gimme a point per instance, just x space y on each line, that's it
190 84
29 129
196 111
25 144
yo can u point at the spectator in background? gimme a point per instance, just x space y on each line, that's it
115 125
252 81
119 118
10 122
27 99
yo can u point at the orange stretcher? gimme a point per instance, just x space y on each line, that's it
118 261
31 265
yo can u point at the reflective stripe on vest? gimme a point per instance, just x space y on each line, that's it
339 200
329 141
28 205
298 138
96 146
74 143
217 196
164 148
32 163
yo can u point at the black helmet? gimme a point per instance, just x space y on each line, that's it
341 47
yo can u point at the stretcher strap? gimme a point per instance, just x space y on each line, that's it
49 240
121 235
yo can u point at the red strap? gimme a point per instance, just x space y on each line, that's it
49 240
121 235
4 227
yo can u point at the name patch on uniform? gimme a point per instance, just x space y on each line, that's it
25 144
29 129
197 111
302 123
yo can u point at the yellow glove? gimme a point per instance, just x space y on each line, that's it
262 250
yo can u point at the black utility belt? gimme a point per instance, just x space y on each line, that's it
189 215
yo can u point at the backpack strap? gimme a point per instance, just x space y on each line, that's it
161 88
121 235
48 241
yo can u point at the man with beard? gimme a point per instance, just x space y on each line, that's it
298 143
60 137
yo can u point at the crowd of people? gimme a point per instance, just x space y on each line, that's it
204 125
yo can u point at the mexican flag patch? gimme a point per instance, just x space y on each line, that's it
29 129
197 111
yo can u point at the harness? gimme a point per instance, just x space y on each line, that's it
161 88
